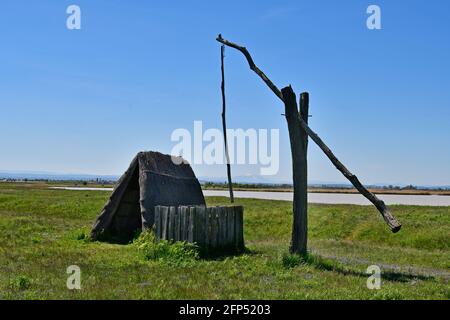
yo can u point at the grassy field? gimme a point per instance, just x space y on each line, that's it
43 231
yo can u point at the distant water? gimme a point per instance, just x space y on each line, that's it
81 189
339 198
326 198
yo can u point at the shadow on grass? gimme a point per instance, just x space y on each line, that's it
321 263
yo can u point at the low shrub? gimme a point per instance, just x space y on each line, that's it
178 253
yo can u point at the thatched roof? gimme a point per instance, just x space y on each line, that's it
152 179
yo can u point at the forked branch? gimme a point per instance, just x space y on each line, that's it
393 224
252 65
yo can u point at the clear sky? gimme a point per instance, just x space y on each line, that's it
85 101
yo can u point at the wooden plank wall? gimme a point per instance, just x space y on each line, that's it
214 228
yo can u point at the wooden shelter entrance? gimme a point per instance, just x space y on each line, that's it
152 179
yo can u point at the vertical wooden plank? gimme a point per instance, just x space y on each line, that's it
207 228
214 228
235 228
231 225
160 224
164 222
212 213
161 213
182 212
171 233
239 229
186 224
218 227
157 227
225 226
224 125
176 235
211 228
222 219
180 223
168 223
167 219
195 229
191 227
201 228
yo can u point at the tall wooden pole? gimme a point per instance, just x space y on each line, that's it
224 124
303 183
299 145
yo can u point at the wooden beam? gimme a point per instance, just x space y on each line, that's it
393 224
252 65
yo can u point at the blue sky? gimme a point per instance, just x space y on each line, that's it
85 101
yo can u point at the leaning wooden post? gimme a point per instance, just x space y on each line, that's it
224 124
298 151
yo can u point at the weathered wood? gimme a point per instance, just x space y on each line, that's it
180 224
218 234
222 219
207 227
224 124
230 225
225 226
239 227
200 213
191 228
219 227
252 65
152 179
157 227
298 152
186 223
165 222
176 224
216 228
303 183
393 223
183 233
171 233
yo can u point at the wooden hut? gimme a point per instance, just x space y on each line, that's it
152 179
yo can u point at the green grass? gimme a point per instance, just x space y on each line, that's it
43 231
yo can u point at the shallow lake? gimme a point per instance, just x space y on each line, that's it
329 198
